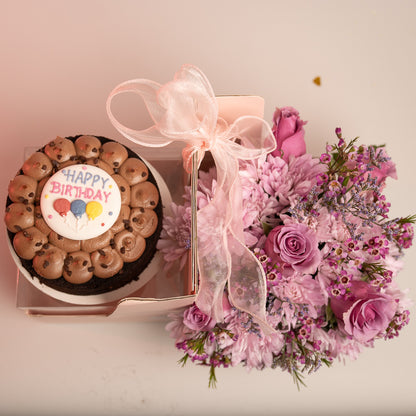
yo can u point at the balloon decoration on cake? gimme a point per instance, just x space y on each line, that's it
75 198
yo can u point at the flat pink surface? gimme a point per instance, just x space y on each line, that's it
60 60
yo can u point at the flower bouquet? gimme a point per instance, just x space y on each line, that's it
319 227
297 257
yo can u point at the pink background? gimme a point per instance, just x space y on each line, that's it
59 61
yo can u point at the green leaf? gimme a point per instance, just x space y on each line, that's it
183 360
406 220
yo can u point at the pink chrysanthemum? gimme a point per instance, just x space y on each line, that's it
287 182
257 205
175 238
254 350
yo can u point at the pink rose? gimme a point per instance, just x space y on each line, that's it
289 133
366 313
296 245
196 320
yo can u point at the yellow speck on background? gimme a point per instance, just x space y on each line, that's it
317 81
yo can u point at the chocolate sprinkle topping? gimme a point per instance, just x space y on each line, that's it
84 263
102 252
45 264
103 265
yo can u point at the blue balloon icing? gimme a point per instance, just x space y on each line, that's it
78 207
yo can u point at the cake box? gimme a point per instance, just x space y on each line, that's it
163 290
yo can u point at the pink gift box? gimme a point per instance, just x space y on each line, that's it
163 291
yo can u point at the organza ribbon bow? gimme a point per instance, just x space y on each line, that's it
186 110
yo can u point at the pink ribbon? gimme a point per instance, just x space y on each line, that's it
186 110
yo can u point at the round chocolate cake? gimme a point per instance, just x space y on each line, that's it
84 215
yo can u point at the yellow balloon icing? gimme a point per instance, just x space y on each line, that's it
93 210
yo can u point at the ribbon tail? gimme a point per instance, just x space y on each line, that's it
214 261
211 288
247 285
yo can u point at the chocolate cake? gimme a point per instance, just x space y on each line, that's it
84 215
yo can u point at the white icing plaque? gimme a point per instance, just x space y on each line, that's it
80 202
